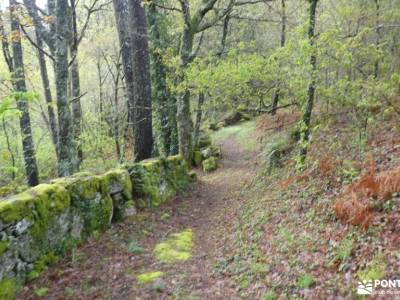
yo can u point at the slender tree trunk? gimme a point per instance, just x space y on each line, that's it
116 119
378 36
47 92
312 85
174 145
125 39
67 156
28 146
100 80
277 93
9 149
199 114
143 128
76 110
76 86
225 31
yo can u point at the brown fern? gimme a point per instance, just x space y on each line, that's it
354 206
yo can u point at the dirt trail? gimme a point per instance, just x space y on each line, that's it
105 269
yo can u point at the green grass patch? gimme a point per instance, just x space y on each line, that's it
134 247
242 132
305 281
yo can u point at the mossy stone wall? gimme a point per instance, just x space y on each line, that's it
48 220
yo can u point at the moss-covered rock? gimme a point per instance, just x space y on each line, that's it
4 246
277 151
157 180
197 158
210 164
119 186
210 151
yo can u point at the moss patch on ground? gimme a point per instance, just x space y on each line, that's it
149 277
176 248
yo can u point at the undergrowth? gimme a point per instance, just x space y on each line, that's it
296 237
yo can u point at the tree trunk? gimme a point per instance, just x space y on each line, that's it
76 110
184 119
68 158
125 39
143 129
116 119
225 31
312 85
199 113
174 146
9 149
19 83
47 92
378 37
277 93
76 86
162 99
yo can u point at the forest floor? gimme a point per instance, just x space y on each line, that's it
252 239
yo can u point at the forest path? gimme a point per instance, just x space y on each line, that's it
108 268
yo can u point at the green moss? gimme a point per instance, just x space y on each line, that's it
175 248
210 164
16 208
121 178
148 277
241 107
376 270
157 180
41 265
41 292
8 289
38 205
5 191
4 247
389 113
49 201
197 158
90 197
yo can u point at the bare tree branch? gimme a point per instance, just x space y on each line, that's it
34 44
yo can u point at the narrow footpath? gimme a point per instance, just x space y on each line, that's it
108 267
